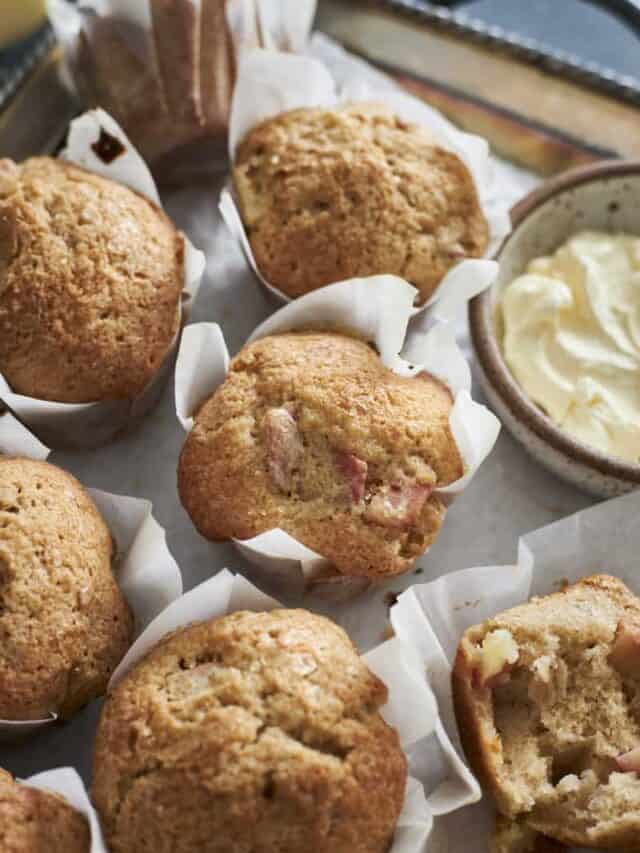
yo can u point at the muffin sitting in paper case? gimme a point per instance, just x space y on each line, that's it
94 281
536 670
236 725
165 69
81 573
319 442
335 183
48 813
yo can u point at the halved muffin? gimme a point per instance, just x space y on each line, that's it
547 698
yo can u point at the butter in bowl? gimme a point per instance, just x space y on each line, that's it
558 335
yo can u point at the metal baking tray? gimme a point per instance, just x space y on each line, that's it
538 100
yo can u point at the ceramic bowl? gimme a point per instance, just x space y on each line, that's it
604 196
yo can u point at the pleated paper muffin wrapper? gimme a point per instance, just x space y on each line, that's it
174 67
432 617
65 782
378 310
147 574
439 782
86 425
270 83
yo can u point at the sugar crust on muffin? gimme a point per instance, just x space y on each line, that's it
91 275
254 731
332 194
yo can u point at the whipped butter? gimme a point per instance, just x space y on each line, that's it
572 338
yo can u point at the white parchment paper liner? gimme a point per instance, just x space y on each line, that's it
147 574
271 24
66 782
92 424
378 309
250 24
270 83
411 708
432 617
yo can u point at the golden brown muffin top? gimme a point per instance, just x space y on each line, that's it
90 280
252 732
331 194
36 821
547 697
311 433
64 624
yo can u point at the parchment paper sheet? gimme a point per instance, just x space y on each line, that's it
378 311
91 424
432 617
508 496
148 575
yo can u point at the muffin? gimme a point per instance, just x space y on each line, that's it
255 731
64 624
547 698
312 434
36 821
333 194
167 86
91 275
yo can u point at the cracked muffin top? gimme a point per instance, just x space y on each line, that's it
252 733
64 624
311 433
36 821
547 697
91 275
332 194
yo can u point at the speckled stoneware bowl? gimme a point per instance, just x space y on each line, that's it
604 196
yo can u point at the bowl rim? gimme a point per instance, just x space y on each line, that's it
488 351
